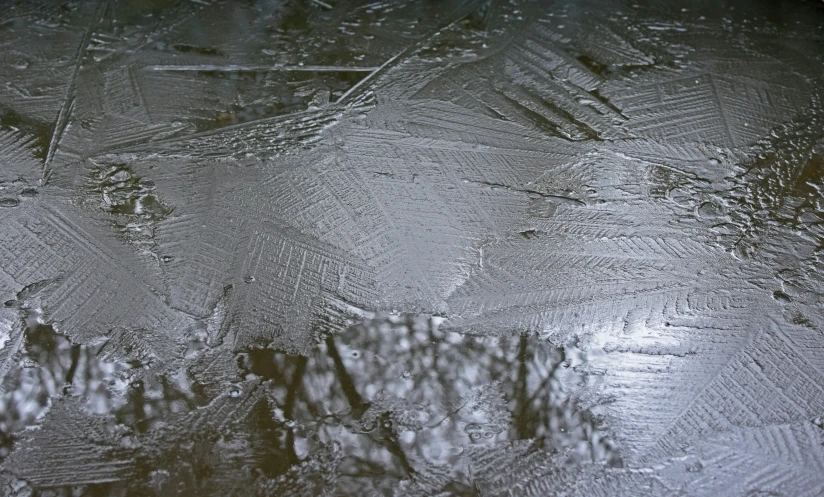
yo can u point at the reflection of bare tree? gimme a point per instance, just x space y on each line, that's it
289 405
347 385
387 437
53 366
397 392
397 396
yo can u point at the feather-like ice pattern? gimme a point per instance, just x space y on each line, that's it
471 247
88 282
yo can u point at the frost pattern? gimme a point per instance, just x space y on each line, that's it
350 248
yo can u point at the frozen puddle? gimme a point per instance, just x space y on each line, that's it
411 248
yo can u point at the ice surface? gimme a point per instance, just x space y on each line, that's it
408 247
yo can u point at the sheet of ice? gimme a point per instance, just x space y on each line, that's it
470 247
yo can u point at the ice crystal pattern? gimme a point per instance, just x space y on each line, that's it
470 247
